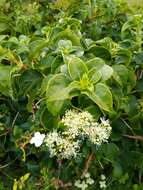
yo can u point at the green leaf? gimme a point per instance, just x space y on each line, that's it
17 132
5 82
128 25
101 96
65 44
15 185
117 96
95 62
99 65
106 72
94 110
120 74
67 34
111 151
94 75
131 80
25 177
85 83
56 63
6 72
100 51
123 56
55 106
138 58
107 43
45 83
64 69
76 68
3 24
117 171
30 82
2 37
36 48
57 88
139 85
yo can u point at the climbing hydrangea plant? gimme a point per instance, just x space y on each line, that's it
71 94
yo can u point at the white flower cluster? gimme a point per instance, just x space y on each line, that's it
83 124
76 121
79 126
60 146
84 182
102 182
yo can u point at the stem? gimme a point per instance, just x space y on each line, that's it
137 137
128 126
87 163
14 120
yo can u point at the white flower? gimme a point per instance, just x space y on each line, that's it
103 177
81 184
102 184
87 175
37 139
104 121
43 54
77 183
89 181
84 182
61 21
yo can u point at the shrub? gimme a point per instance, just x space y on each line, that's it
71 83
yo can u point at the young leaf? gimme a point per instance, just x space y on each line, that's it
95 62
94 75
69 35
76 68
15 185
99 65
25 177
106 72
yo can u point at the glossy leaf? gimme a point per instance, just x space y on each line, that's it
76 68
57 88
94 75
101 96
100 51
120 74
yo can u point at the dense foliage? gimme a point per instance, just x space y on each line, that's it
83 56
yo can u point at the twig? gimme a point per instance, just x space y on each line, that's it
5 133
87 163
14 120
137 137
6 165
